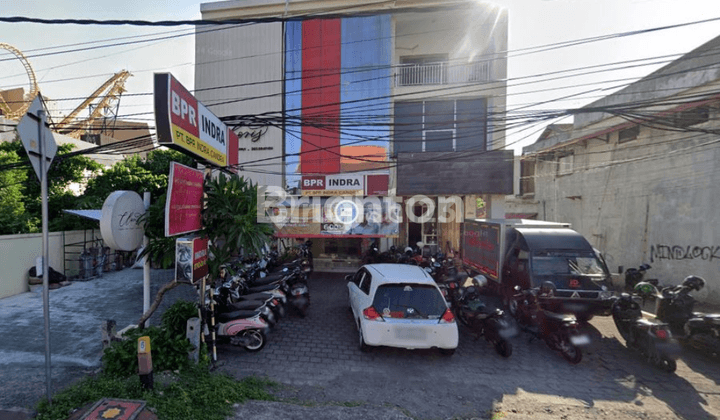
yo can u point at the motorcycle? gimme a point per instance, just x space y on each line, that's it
244 328
559 331
292 281
674 305
484 320
652 339
634 276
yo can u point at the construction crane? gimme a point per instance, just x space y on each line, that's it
112 89
18 112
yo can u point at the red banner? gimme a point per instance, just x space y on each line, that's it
184 200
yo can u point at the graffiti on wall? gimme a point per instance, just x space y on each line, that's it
680 252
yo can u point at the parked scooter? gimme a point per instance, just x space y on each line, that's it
559 331
489 322
650 338
242 328
634 276
675 307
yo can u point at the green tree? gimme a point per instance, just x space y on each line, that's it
12 208
64 171
230 219
134 174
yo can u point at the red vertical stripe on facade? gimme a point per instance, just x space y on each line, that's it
320 96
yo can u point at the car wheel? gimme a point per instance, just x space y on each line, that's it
447 352
363 347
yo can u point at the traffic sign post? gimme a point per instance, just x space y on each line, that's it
41 148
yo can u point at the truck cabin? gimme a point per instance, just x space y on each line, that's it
562 256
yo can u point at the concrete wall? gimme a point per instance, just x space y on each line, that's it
654 199
18 253
232 65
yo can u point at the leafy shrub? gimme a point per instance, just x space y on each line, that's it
169 345
194 394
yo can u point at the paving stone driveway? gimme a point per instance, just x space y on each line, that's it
319 360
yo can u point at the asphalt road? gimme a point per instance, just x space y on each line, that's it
324 375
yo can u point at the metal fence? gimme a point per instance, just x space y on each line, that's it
442 73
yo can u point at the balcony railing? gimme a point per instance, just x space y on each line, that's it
441 73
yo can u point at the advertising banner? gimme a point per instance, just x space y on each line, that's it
481 248
185 124
191 255
184 200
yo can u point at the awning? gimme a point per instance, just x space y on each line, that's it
88 214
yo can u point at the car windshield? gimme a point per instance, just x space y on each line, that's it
409 300
554 263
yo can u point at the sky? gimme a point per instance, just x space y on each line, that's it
72 76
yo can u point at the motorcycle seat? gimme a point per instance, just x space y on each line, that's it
246 305
240 314
701 320
646 323
262 288
256 296
560 317
266 280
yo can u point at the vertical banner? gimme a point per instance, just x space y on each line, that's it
184 200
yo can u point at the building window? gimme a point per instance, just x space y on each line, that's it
628 134
440 126
527 176
423 70
691 117
565 164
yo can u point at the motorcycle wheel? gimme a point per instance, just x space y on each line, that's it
666 364
503 348
570 352
256 340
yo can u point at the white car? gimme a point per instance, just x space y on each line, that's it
400 305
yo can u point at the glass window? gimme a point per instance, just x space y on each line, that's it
365 285
409 300
550 263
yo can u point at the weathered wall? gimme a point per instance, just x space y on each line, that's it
18 253
654 199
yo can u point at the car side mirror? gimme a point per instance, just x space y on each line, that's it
348 277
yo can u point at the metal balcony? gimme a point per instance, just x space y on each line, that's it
441 73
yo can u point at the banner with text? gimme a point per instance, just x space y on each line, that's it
184 200
184 123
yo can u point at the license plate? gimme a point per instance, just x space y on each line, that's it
410 334
580 340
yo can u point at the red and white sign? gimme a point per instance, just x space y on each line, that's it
184 123
345 184
184 200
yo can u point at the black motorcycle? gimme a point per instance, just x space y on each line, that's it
484 320
559 331
634 276
650 338
675 307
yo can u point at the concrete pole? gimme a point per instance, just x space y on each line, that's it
146 266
